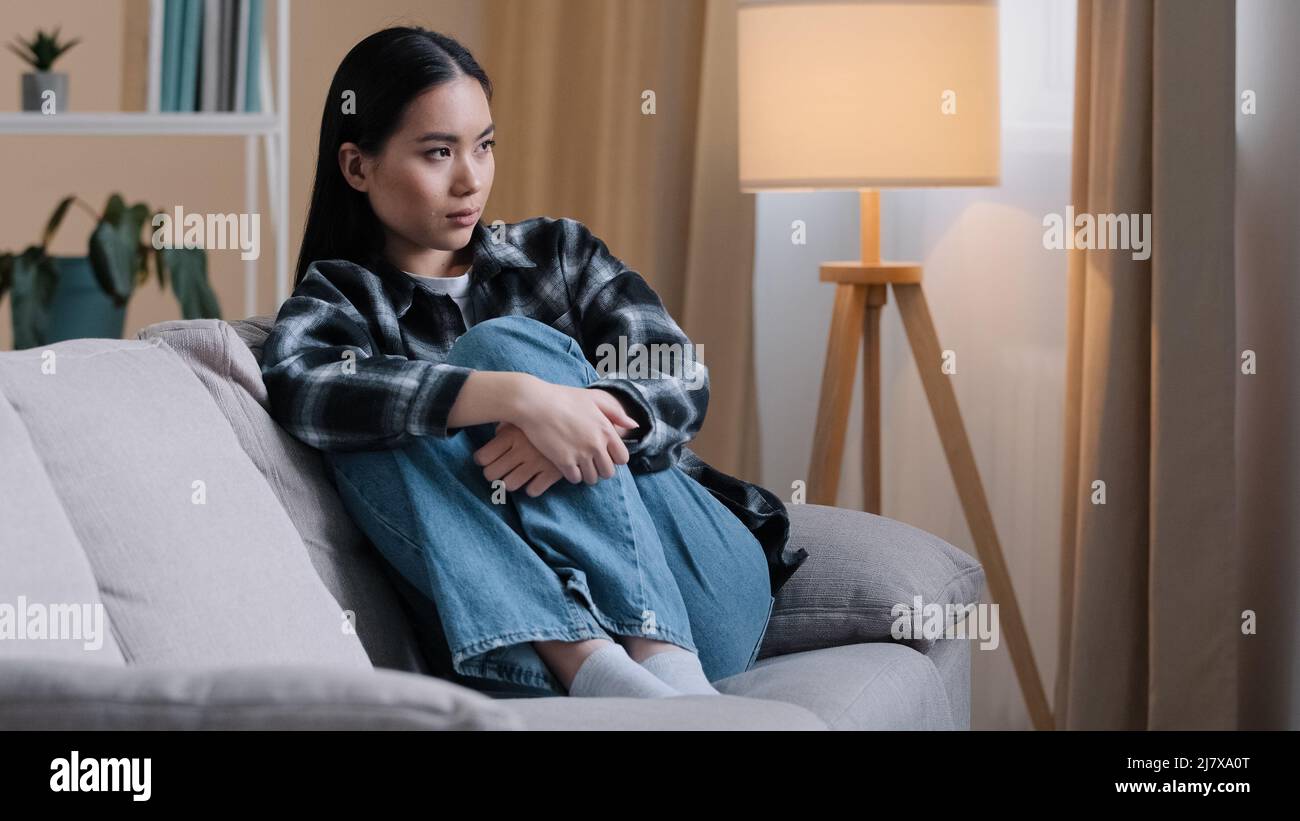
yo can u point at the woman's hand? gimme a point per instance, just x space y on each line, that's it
577 430
510 456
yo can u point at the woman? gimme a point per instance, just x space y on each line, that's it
441 367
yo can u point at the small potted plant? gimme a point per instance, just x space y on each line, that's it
57 298
40 53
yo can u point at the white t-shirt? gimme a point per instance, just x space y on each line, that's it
455 287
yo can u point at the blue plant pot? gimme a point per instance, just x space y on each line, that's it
80 308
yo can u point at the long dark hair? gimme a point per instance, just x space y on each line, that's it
384 72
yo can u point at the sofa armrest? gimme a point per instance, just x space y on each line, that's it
43 694
862 572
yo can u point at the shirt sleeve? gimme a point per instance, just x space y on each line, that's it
328 387
642 355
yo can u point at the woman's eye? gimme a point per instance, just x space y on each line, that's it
432 151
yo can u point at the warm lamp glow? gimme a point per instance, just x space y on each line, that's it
868 94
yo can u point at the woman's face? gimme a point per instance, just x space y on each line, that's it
438 162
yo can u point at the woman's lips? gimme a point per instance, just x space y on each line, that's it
464 219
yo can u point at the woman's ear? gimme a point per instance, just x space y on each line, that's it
355 168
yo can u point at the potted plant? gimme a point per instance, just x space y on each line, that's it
40 53
57 298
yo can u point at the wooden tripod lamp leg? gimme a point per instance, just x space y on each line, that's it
970 489
836 393
859 295
871 483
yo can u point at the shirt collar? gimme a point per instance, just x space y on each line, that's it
491 255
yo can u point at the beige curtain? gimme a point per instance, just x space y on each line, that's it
622 114
1150 617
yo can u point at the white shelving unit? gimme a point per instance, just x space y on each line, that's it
271 128
139 123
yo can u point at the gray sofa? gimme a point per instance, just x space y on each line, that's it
171 558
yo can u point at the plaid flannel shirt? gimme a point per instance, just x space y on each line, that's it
356 359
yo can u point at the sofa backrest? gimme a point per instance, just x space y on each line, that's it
226 359
49 603
194 558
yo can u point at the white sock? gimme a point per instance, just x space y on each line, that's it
610 671
680 669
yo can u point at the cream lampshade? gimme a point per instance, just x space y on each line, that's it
868 94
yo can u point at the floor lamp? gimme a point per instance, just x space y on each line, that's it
864 95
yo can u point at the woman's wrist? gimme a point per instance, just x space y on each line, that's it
491 396
515 399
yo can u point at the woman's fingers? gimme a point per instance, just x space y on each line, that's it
615 451
571 472
618 451
500 456
502 467
604 465
613 409
493 450
589 473
523 472
543 480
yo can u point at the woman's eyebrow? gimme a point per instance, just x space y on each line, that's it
452 138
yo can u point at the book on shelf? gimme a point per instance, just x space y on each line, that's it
211 43
256 49
200 55
188 71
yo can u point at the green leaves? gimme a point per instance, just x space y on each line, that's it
56 219
120 261
188 269
116 253
41 51
32 279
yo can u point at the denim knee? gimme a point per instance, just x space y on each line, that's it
519 343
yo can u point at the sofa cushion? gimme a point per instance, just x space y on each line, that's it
870 686
195 559
881 685
48 694
676 713
49 602
344 559
860 567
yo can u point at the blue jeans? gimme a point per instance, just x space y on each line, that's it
646 554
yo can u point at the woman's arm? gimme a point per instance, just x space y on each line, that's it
575 429
327 384
488 396
645 358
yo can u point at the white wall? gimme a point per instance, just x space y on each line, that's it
998 300
1268 402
